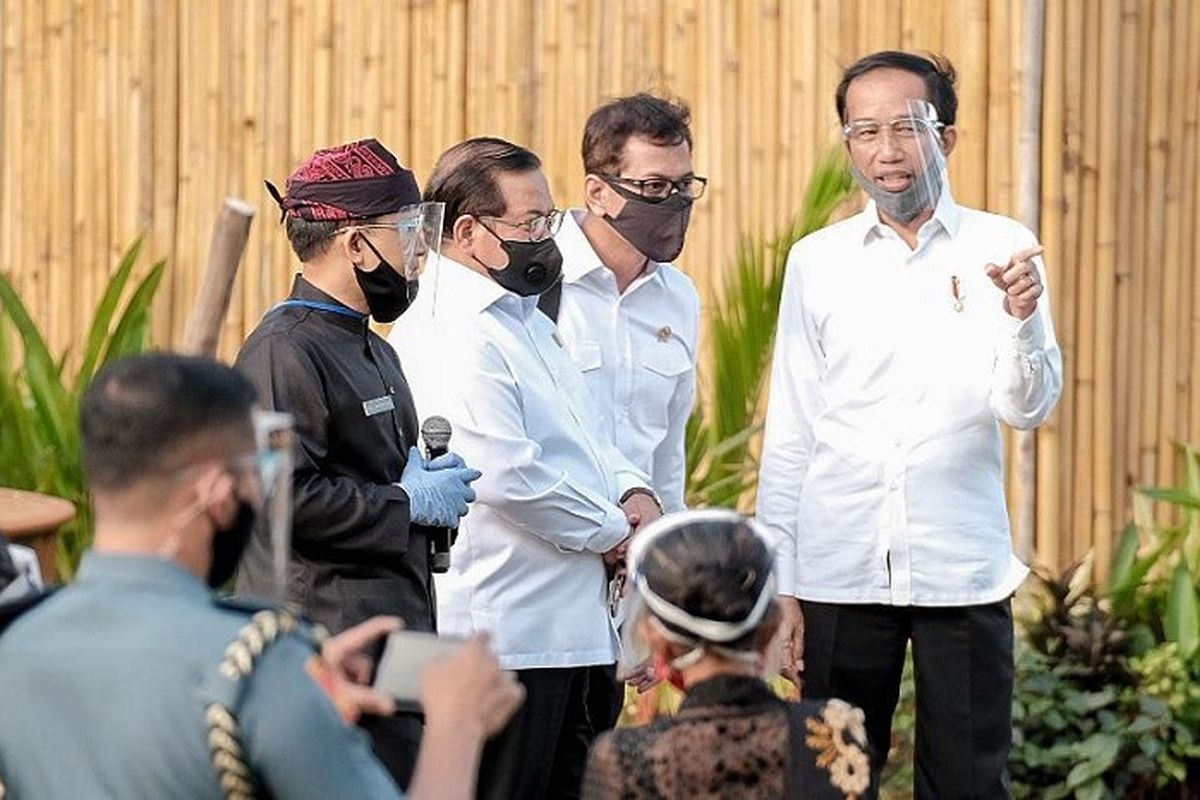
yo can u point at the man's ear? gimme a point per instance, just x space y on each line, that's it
463 231
350 244
949 139
595 195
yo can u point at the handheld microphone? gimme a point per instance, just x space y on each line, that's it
436 433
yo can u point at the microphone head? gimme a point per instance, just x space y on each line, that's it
435 431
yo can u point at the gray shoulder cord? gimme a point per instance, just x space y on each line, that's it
224 734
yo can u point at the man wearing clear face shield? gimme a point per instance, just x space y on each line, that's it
701 608
556 500
136 681
365 501
907 335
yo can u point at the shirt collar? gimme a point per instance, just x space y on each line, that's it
148 572
947 214
303 290
580 259
459 287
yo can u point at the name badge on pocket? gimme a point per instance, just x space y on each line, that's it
379 405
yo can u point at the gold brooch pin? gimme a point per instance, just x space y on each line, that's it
957 293
664 333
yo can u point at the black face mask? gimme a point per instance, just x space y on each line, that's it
655 229
533 267
229 544
388 293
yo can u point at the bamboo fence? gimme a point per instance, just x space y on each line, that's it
123 117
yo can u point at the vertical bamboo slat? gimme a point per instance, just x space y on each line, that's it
1105 272
1051 526
1076 519
1151 394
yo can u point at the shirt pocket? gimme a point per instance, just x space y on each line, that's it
659 369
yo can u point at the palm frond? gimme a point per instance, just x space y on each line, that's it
741 328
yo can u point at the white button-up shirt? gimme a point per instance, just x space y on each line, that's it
637 351
882 472
527 564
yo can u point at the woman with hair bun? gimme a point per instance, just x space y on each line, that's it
702 612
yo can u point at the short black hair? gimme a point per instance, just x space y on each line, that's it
662 121
310 238
147 416
937 72
464 177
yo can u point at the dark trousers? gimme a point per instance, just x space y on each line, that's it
963 663
606 697
543 750
396 741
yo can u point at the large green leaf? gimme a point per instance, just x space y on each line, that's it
1182 620
1178 497
51 402
97 338
132 331
1124 559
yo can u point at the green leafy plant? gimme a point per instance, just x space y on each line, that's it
1156 569
743 311
39 402
1091 718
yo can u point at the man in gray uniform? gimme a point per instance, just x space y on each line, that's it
136 681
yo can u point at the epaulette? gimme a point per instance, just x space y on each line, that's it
223 689
310 632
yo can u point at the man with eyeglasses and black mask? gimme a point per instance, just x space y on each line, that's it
365 500
628 317
556 501
907 335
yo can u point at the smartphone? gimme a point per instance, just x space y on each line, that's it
405 657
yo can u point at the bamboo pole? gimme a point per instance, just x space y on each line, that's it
1174 263
1192 143
1106 277
229 235
1029 212
1051 449
1154 209
1075 503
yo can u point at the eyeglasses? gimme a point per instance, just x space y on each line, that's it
690 186
535 229
870 131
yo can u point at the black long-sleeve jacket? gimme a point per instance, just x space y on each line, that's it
355 552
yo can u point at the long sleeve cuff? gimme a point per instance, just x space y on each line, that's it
1026 336
610 534
785 573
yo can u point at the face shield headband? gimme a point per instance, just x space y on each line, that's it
702 635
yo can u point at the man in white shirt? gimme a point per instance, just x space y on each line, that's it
906 335
628 318
556 503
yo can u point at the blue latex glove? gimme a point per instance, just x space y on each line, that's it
438 493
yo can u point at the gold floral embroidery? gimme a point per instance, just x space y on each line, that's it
837 738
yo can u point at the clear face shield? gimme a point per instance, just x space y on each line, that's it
420 229
905 157
275 438
644 609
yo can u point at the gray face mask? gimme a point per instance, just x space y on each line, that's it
903 206
656 229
